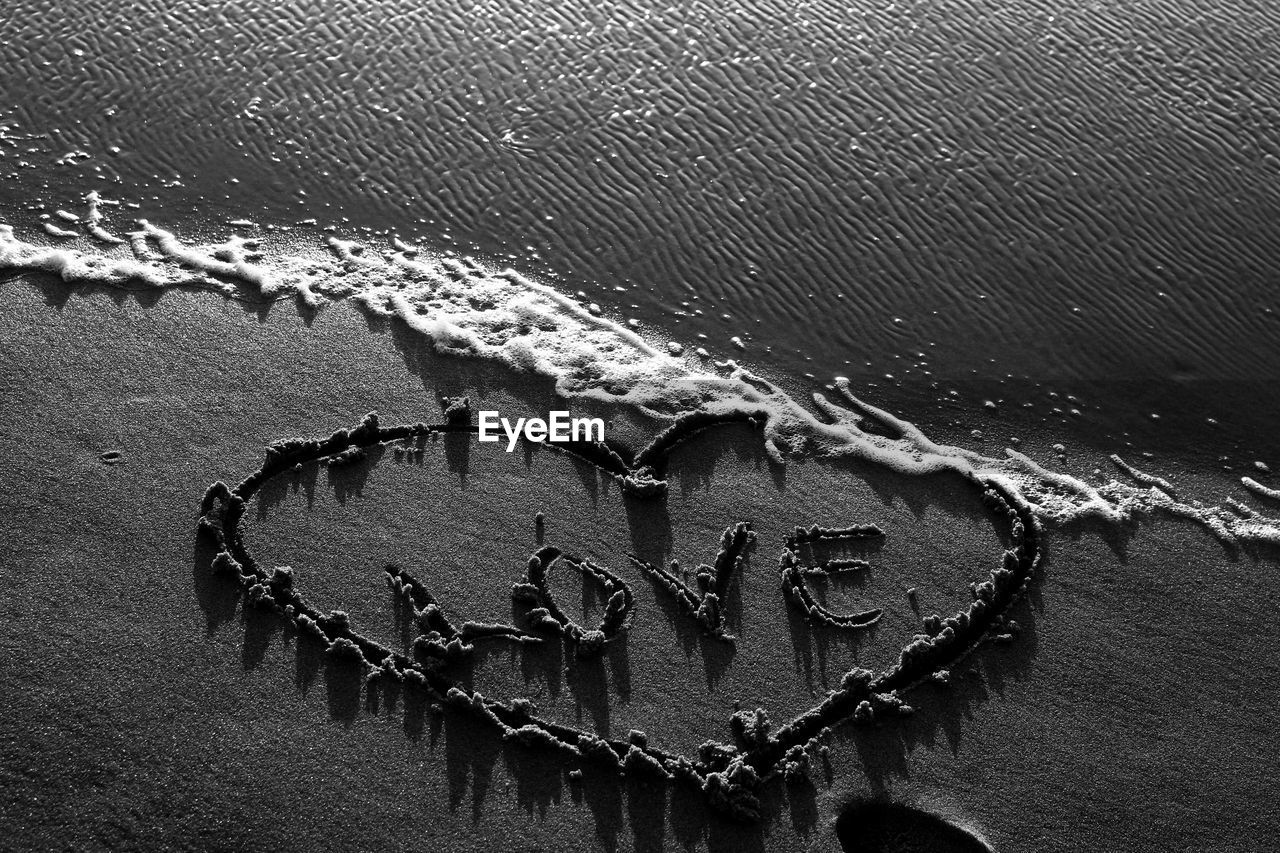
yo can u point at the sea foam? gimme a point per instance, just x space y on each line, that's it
467 309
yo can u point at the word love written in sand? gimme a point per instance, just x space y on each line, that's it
730 775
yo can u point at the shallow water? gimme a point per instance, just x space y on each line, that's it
1054 193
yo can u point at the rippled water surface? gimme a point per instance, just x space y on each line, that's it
1082 191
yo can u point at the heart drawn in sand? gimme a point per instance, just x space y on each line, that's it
728 774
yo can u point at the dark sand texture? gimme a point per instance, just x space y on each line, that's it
146 707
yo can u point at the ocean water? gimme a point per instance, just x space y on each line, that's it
947 203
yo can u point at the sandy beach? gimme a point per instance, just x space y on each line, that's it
935 503
151 707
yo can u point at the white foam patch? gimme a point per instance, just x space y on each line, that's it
94 221
63 233
466 309
1259 489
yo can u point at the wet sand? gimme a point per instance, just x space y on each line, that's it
151 707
